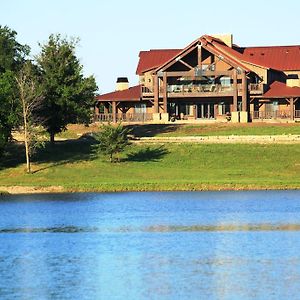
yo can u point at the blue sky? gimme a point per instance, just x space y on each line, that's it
113 32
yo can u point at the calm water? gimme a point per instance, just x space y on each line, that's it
198 245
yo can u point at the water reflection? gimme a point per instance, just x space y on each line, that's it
159 228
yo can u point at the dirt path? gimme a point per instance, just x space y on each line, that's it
231 139
31 189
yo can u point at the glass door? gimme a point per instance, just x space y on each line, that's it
205 111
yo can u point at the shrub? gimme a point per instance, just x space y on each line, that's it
112 140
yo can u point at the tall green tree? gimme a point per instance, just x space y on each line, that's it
69 95
12 58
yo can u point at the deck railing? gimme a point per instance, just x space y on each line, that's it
297 114
124 117
278 114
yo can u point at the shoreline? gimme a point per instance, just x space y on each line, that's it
31 190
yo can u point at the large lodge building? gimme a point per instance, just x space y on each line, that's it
210 79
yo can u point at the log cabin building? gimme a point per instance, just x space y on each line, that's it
211 79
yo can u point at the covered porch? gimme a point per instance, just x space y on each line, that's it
279 103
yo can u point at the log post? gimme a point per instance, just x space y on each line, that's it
156 93
114 111
292 108
165 89
244 91
235 91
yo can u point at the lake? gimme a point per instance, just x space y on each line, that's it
169 245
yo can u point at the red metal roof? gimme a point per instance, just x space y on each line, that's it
154 58
281 90
132 94
285 58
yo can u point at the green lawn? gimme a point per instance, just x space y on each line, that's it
72 165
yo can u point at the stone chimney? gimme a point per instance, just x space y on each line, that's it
122 84
227 38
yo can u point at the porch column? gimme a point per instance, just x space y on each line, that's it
156 94
235 91
96 110
244 118
292 108
244 92
114 111
105 108
165 86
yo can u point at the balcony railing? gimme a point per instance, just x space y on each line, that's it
256 88
203 88
146 91
126 117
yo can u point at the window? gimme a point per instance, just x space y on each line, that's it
225 81
140 108
204 67
186 109
212 67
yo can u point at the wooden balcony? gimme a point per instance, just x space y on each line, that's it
203 90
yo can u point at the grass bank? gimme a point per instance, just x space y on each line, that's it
215 129
72 166
175 129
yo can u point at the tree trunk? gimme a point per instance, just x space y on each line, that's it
28 166
52 134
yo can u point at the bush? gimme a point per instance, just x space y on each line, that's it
112 140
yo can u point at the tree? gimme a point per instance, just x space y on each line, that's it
8 105
12 57
12 54
69 95
112 140
30 97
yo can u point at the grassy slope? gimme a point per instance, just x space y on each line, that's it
168 167
216 129
176 129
